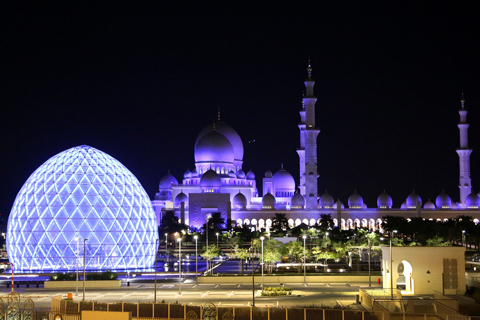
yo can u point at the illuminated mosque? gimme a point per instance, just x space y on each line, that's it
219 183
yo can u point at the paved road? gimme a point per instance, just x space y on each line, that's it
232 295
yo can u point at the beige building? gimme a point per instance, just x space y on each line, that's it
423 270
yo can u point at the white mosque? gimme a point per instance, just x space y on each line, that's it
218 183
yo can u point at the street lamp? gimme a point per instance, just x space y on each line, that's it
180 266
157 243
196 259
206 231
84 247
262 238
463 238
166 244
76 263
217 239
304 259
391 264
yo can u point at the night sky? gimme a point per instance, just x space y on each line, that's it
139 82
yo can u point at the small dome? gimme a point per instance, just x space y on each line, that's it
167 181
412 200
240 201
268 201
355 201
326 200
298 201
284 181
443 201
240 174
194 173
232 174
210 179
268 174
181 197
403 206
472 201
429 205
335 206
214 147
384 201
250 175
187 174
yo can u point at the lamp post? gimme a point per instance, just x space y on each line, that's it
391 264
196 259
157 243
463 238
369 269
166 244
76 264
217 239
84 251
304 259
180 266
206 239
253 276
262 238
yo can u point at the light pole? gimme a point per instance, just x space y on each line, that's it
304 260
166 244
369 269
196 259
76 263
217 239
391 264
84 251
157 243
180 266
463 238
262 238
206 239
253 276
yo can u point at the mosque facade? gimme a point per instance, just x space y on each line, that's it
219 183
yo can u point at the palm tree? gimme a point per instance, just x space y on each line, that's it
279 222
326 222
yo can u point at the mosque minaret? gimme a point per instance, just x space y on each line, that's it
308 144
465 183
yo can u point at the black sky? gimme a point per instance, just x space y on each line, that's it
139 81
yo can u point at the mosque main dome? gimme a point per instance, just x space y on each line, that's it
229 133
214 147
81 193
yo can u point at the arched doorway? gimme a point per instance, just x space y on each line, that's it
405 281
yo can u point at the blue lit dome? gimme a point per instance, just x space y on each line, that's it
443 201
239 201
268 201
229 133
81 193
298 201
284 183
326 200
181 197
240 174
250 175
412 200
214 148
268 174
384 201
429 205
472 201
187 174
210 179
167 181
355 201
232 174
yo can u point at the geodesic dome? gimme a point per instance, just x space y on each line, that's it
82 193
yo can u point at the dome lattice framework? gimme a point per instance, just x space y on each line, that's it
81 193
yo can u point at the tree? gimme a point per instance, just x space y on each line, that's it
279 222
170 223
438 242
326 222
272 252
210 252
296 250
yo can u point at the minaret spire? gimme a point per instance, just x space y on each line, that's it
218 114
465 183
308 144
